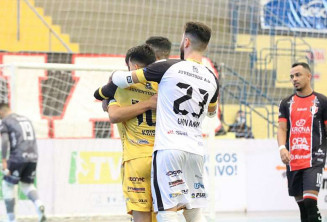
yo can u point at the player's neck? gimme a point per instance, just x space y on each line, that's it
8 113
194 56
304 92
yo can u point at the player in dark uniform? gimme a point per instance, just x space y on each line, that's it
302 141
17 133
160 45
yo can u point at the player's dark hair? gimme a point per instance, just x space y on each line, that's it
200 34
303 64
4 105
160 45
142 55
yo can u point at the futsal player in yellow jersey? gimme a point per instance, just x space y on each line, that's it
137 130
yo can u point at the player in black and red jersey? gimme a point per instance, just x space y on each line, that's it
302 141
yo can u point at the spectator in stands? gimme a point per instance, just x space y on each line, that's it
240 128
220 130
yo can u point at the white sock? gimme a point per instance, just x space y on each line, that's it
194 215
11 217
167 216
38 203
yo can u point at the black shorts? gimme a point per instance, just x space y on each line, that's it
304 179
24 172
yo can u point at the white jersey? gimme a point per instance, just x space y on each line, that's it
186 89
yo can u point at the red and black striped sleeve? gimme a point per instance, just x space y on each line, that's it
283 113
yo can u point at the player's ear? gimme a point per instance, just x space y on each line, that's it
187 42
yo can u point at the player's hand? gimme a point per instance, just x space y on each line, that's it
5 170
105 103
153 102
285 156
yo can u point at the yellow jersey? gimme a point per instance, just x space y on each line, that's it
137 134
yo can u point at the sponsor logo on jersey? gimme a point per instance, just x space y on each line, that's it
198 195
300 129
197 176
136 179
148 132
198 186
29 155
178 132
300 157
174 173
300 122
185 191
173 195
141 91
136 189
176 183
302 109
320 152
300 143
170 132
148 85
142 201
143 142
195 69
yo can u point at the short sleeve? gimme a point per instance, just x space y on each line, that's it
283 114
214 99
106 92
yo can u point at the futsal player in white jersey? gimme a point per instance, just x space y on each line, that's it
187 92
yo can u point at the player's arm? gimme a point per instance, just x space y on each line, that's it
212 108
153 72
4 146
4 149
105 91
119 113
325 114
282 134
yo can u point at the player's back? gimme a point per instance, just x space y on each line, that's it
138 133
23 147
185 92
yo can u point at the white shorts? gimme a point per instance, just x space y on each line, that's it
177 180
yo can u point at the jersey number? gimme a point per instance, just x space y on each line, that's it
148 116
189 92
27 130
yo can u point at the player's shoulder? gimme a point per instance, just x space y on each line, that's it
320 96
286 99
161 66
212 73
165 63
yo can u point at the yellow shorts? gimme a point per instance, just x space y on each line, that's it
136 175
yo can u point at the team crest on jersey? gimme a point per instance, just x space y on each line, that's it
314 109
148 85
195 69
